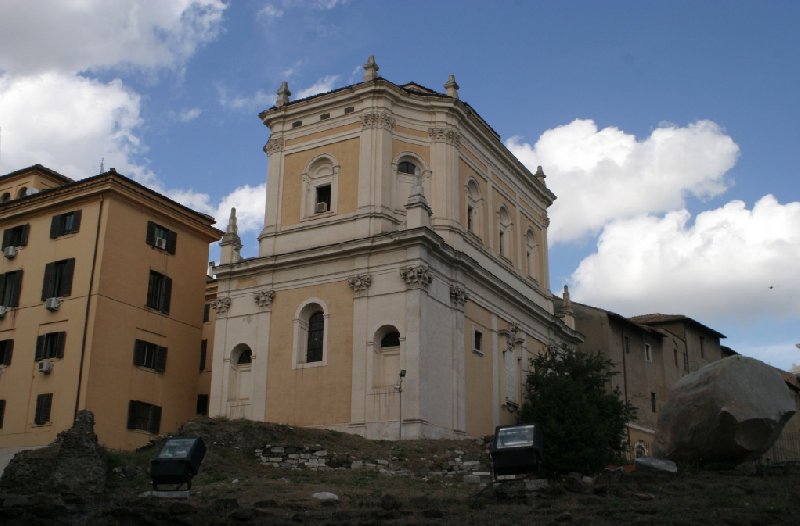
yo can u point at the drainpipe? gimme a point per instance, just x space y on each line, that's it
88 307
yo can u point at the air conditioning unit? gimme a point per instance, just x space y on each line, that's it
10 252
44 366
161 243
321 207
3 310
52 303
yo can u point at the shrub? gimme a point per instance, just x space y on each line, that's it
567 393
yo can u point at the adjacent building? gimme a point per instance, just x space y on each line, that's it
401 285
101 293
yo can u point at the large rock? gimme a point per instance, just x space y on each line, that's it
74 463
730 411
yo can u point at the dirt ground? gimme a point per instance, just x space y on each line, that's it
413 482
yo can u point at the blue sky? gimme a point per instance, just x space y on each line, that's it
668 130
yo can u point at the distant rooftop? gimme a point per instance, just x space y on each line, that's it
658 318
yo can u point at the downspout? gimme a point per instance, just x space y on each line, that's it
88 307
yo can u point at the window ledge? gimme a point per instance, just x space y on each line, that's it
478 352
309 365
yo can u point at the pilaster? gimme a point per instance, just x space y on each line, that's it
274 151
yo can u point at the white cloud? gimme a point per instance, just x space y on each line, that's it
732 263
69 124
323 85
270 12
250 203
94 34
603 175
255 102
189 114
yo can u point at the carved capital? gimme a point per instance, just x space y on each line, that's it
448 135
221 305
263 298
274 145
377 119
417 276
360 283
458 296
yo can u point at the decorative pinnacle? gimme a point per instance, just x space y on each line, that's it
451 87
283 94
232 227
371 69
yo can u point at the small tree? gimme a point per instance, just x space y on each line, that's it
567 394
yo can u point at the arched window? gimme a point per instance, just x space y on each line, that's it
503 237
407 167
474 205
6 197
310 348
530 253
22 192
240 384
316 337
320 187
245 357
391 339
386 358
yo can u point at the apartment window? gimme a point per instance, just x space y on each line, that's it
58 278
16 236
203 350
10 285
159 292
206 312
64 224
150 355
6 350
316 336
323 201
2 412
648 352
144 416
50 345
477 342
43 404
653 402
161 237
202 404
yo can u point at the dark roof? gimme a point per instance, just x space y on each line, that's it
658 318
52 173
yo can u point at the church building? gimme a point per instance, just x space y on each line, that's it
401 285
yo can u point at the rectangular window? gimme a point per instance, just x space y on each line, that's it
297 124
653 402
64 224
2 412
349 109
206 312
686 360
202 404
203 350
10 285
648 352
161 237
144 416
43 404
325 116
470 225
501 243
675 355
50 345
16 236
477 342
159 292
58 278
6 350
323 202
627 343
149 355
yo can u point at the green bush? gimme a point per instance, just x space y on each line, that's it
567 394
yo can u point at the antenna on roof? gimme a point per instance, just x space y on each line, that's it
102 167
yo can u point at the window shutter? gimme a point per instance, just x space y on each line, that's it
2 412
61 338
166 295
76 223
154 422
55 226
172 241
66 278
152 290
39 348
49 281
161 359
9 351
131 413
16 286
138 352
7 237
3 280
23 238
151 233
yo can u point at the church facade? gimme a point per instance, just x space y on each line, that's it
401 285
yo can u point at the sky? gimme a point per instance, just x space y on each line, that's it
668 130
